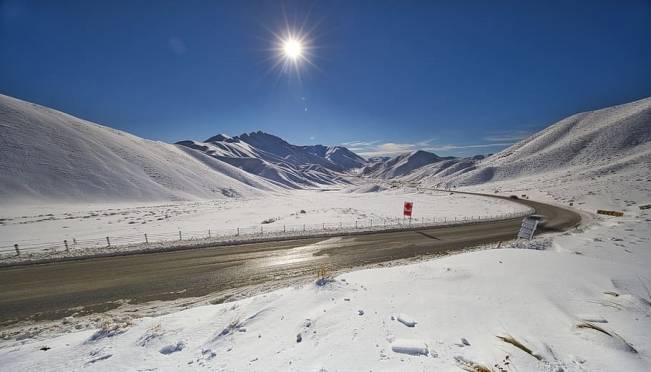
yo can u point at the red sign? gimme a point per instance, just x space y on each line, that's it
407 209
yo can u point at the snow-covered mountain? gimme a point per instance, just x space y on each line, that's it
47 155
280 162
401 165
343 158
585 145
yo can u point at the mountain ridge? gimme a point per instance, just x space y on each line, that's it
280 162
46 154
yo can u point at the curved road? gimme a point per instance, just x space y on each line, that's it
56 290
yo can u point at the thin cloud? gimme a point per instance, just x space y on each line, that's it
360 143
513 136
375 148
425 143
391 147
457 147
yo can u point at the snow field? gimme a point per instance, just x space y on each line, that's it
46 227
464 307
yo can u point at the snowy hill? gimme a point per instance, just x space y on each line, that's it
340 156
280 162
588 145
402 164
47 155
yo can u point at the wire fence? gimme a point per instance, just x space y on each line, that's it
30 248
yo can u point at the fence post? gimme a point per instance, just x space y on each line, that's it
303 227
284 229
238 231
261 231
209 234
324 226
65 242
17 250
355 223
74 241
146 240
108 241
180 236
371 223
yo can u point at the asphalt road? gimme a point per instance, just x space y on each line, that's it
56 290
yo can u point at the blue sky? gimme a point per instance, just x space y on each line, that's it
453 77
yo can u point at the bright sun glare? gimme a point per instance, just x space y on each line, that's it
292 49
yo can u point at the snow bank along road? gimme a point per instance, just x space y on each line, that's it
56 290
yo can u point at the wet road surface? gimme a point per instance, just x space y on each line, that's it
56 290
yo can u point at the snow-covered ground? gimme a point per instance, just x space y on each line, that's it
582 304
614 190
33 225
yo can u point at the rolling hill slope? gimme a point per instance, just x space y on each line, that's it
47 155
600 149
585 145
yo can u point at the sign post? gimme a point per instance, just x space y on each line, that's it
407 209
528 228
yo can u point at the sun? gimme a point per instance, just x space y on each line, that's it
292 49
292 52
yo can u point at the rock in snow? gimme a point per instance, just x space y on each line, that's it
409 346
406 320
